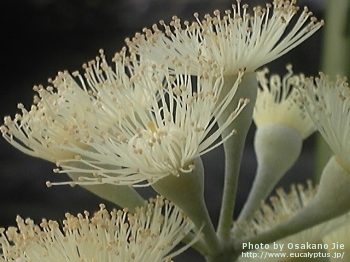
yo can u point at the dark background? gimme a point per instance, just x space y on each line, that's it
41 37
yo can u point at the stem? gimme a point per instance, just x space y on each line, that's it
234 148
187 192
277 148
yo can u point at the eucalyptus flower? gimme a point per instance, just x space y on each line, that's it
278 208
282 123
285 205
151 234
279 102
148 121
328 104
158 141
232 41
67 112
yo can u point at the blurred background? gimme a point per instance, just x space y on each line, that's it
41 37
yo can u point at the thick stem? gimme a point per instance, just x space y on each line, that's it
187 192
234 148
331 200
277 148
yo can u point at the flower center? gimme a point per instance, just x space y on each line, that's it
161 149
152 127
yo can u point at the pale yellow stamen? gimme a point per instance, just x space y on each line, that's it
152 127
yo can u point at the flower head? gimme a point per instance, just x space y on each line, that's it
67 114
279 101
53 119
235 40
328 104
127 125
164 138
148 235
66 110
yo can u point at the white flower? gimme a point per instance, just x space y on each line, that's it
54 119
68 113
161 140
279 102
135 123
149 235
65 112
328 103
232 41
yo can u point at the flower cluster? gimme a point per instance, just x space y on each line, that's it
176 92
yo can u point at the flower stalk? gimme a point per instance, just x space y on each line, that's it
234 149
277 148
282 123
187 192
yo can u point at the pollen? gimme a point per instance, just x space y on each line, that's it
152 127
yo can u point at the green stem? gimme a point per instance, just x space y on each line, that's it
277 148
187 192
234 148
